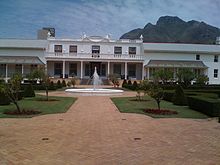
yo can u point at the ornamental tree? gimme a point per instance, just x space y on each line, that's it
43 77
11 90
156 92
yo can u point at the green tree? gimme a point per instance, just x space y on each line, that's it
185 76
156 92
114 79
43 77
11 90
164 75
202 79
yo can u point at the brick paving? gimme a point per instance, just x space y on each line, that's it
94 132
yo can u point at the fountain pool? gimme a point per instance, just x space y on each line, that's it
96 90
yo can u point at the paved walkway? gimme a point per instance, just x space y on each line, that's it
94 132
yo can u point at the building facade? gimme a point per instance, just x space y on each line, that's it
129 59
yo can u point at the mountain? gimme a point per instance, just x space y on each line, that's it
170 29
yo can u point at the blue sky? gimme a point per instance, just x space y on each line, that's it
70 18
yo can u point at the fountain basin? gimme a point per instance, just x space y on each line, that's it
92 91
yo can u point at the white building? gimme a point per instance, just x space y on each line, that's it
130 59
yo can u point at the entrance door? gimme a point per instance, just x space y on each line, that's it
92 67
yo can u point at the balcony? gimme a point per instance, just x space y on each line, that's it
93 56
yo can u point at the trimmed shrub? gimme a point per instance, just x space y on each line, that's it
168 96
134 85
208 106
52 86
124 84
179 97
63 83
59 85
130 85
29 91
4 100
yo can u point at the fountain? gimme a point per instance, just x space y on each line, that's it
96 90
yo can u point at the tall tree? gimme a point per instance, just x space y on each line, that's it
41 75
156 92
164 75
185 76
12 89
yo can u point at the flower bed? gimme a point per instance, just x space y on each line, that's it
160 112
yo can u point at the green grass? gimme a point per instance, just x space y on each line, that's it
45 107
126 105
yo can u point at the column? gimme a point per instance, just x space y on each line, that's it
81 75
46 69
148 73
108 69
6 73
64 68
143 72
126 71
22 69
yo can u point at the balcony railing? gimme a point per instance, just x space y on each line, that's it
94 56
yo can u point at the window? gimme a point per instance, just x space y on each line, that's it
73 69
58 68
58 48
18 68
73 49
132 50
197 57
215 73
87 70
117 50
216 58
117 69
132 70
2 69
95 49
103 70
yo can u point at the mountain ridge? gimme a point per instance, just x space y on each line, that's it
172 29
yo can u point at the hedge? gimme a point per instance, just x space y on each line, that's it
208 106
168 95
4 100
29 91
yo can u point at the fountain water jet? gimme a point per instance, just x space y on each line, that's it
95 90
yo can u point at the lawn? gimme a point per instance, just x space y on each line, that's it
58 105
130 105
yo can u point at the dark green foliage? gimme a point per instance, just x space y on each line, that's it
59 85
129 82
130 85
168 96
29 91
156 92
63 83
179 96
124 84
202 80
185 76
134 85
52 86
4 100
205 105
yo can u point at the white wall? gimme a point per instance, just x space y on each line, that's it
86 47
